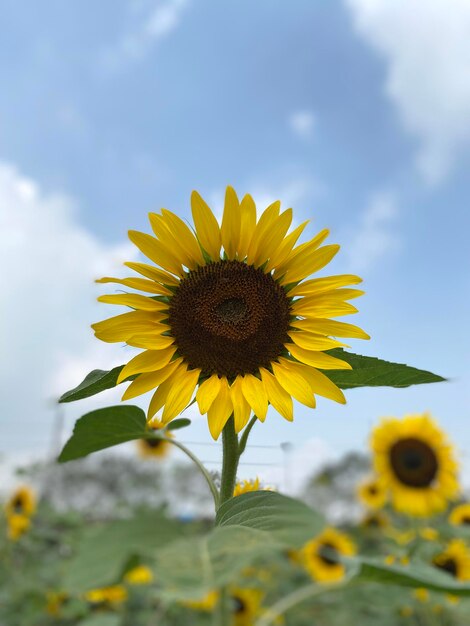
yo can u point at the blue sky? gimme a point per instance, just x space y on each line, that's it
355 113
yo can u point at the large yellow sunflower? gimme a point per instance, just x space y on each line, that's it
416 463
242 327
455 560
246 605
321 556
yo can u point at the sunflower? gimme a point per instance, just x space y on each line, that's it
455 560
139 575
207 603
246 605
375 520
17 525
321 556
460 515
155 447
416 463
242 329
22 502
246 486
108 596
372 493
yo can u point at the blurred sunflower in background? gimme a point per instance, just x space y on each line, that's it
21 502
246 486
246 605
375 520
139 575
154 447
321 556
242 328
372 493
107 596
460 515
416 463
206 604
455 560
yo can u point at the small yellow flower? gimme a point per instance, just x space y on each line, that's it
416 463
22 502
206 604
460 515
139 575
246 605
402 537
451 599
406 611
429 534
18 525
421 594
389 559
155 447
246 486
437 609
54 602
322 555
372 493
115 594
375 521
455 560
239 329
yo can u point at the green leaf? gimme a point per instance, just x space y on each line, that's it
368 371
189 568
413 575
176 424
95 382
106 619
103 552
289 521
105 428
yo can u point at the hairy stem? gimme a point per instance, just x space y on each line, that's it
229 461
197 462
244 437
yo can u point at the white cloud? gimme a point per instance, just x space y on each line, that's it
375 235
426 44
49 262
302 123
159 22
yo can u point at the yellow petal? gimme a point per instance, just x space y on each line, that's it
180 395
293 383
319 285
166 238
307 264
247 224
241 408
220 410
319 383
149 286
271 239
207 393
147 361
121 327
265 222
277 395
317 359
302 250
146 382
151 341
255 394
156 251
306 307
134 300
161 394
153 273
231 222
311 341
285 248
184 236
330 327
207 228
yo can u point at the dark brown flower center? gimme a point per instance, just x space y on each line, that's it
153 443
466 520
18 504
328 554
448 565
414 462
229 318
373 490
239 606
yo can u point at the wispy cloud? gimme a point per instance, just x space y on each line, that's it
426 45
302 123
158 23
375 235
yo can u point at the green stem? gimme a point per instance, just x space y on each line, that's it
244 437
229 461
204 472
